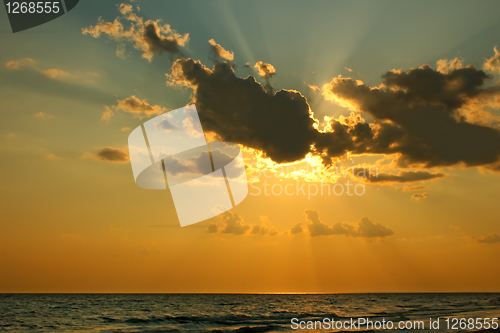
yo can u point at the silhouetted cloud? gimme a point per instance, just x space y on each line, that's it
240 110
150 37
111 154
489 239
234 224
219 51
418 114
364 228
296 229
414 113
401 177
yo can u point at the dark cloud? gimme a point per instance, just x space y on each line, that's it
150 37
111 154
240 110
156 43
296 229
234 224
418 114
230 223
415 188
411 120
402 177
364 228
489 239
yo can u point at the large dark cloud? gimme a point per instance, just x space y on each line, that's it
240 110
419 111
414 112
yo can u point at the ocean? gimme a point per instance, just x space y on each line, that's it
240 313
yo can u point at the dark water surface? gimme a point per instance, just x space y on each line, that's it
228 312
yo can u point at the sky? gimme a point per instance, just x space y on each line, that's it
331 88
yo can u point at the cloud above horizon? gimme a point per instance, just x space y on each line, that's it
234 224
418 115
150 37
423 117
219 51
30 64
363 229
489 239
401 177
111 154
427 111
133 105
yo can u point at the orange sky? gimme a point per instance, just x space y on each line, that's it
73 220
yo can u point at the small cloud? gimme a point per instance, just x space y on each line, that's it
11 135
444 66
493 64
54 73
30 64
265 228
402 177
489 239
418 196
165 125
125 129
363 229
193 130
234 224
219 51
20 64
107 114
111 154
265 70
138 108
150 37
348 69
313 87
43 115
296 229
50 156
